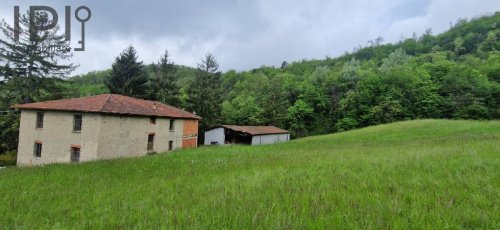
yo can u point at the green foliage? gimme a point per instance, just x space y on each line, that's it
30 74
243 110
9 131
300 115
466 93
91 83
206 93
452 75
455 74
30 56
162 85
8 158
128 76
274 102
427 174
395 59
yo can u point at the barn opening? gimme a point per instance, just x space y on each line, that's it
235 137
247 135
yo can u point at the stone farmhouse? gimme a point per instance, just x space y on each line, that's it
101 127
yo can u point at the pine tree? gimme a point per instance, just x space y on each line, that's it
128 76
206 93
163 83
36 55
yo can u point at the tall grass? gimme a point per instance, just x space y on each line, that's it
429 174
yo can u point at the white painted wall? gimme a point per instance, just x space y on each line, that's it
214 135
270 139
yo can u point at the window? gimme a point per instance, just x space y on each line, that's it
171 126
77 123
151 140
39 120
170 145
37 152
152 120
75 154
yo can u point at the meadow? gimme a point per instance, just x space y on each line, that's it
423 174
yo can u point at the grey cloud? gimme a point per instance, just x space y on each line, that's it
247 34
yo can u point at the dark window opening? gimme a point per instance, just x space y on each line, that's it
75 154
77 123
170 145
37 152
171 125
39 120
152 120
151 139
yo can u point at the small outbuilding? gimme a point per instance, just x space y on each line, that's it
251 135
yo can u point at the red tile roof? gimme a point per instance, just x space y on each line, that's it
256 130
113 104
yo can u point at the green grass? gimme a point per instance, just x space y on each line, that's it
428 174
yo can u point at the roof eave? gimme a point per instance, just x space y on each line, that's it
101 112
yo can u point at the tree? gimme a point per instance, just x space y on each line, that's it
162 86
466 94
459 46
315 97
30 71
205 93
350 73
284 65
395 59
243 110
378 41
127 75
274 103
489 43
35 55
300 116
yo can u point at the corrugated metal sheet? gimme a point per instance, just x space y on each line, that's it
255 130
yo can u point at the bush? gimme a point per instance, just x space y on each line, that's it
8 158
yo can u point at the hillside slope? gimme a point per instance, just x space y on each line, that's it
417 174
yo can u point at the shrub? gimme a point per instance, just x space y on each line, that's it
8 158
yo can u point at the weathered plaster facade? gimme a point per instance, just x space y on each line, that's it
103 136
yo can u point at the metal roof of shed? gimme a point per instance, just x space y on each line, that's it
255 130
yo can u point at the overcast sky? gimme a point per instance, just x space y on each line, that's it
246 34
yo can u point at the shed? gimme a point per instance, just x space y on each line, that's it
251 135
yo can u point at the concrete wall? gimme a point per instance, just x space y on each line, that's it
56 137
123 136
270 139
214 135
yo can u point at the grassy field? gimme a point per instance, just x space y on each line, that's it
429 174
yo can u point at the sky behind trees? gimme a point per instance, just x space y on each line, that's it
248 34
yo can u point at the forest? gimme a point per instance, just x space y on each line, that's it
451 75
